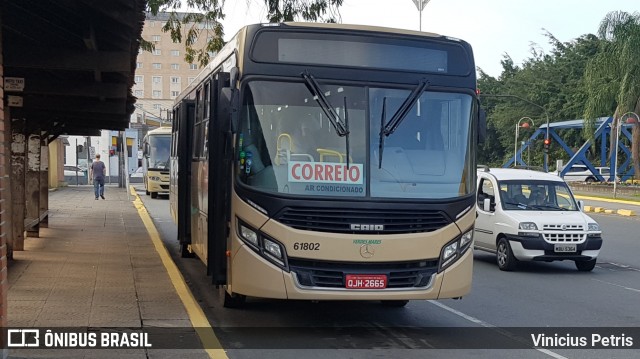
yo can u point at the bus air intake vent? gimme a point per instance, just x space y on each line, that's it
325 274
376 221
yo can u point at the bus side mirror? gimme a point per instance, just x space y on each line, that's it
482 126
145 150
229 104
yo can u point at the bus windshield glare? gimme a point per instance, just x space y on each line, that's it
287 144
159 152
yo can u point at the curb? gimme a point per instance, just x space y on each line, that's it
620 212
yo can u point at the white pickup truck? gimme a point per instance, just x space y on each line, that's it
527 215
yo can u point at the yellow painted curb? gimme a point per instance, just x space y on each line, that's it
598 209
609 211
611 200
196 315
626 212
588 208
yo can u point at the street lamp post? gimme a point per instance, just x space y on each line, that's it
615 151
546 155
420 4
515 143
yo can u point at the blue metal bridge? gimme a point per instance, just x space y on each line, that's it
603 131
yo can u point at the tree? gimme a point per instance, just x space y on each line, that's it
613 75
205 15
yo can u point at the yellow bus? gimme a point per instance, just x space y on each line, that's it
155 163
330 162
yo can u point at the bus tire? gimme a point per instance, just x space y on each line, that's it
146 192
154 194
394 303
233 300
184 251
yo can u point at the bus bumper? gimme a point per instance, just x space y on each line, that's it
254 276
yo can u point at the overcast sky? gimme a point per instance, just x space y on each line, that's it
492 27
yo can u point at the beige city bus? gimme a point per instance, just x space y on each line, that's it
330 162
156 160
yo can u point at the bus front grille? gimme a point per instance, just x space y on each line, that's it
341 220
324 274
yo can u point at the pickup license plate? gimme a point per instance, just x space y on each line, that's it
564 248
366 281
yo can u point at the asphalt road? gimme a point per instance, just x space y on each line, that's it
499 312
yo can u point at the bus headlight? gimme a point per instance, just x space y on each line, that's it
454 249
154 178
272 248
266 247
249 235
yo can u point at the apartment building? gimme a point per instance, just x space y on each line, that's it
162 74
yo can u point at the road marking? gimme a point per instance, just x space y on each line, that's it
493 327
618 285
196 315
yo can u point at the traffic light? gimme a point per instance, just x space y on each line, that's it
547 142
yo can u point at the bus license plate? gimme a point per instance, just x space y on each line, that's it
563 248
366 281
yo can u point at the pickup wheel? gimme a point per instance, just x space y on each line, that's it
586 266
504 256
590 180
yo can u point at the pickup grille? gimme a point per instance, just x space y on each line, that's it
339 220
563 233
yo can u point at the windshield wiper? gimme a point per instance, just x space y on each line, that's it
390 127
346 123
402 112
316 91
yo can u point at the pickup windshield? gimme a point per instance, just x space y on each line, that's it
529 195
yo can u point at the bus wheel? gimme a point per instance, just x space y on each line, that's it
154 194
233 300
394 303
184 251
146 192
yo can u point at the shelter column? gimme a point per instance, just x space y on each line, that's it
44 182
18 163
32 186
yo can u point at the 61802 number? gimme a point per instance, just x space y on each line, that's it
306 246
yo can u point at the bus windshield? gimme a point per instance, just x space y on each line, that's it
287 144
159 146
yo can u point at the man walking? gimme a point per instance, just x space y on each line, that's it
97 172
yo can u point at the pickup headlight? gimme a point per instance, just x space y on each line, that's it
454 249
528 226
593 227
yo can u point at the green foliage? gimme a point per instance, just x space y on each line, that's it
204 18
553 81
613 74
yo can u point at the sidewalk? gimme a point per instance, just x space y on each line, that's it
95 267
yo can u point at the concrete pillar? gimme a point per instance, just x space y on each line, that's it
44 183
5 204
32 186
18 164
